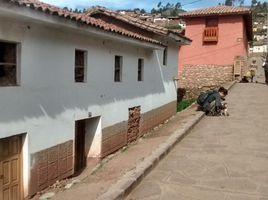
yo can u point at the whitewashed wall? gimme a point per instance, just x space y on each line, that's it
48 101
260 49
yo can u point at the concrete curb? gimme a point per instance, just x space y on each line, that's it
133 177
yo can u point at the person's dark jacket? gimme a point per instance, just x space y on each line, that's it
215 96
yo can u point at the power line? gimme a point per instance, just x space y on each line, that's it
191 2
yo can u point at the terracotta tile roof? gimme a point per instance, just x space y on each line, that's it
148 26
81 18
217 10
128 19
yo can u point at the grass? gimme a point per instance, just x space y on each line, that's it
184 104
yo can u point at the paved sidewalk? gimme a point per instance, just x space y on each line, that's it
222 158
94 185
119 174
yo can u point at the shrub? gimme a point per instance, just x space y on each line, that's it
181 105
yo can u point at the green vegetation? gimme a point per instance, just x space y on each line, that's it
184 104
260 10
234 2
174 27
169 9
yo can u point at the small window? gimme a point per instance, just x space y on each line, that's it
80 65
8 64
118 69
212 22
140 69
165 56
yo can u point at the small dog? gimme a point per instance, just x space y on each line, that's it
224 111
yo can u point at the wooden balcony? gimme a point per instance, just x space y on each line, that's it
211 34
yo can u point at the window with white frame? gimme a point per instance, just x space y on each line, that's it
80 66
8 64
118 68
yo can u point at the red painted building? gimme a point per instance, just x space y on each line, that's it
219 34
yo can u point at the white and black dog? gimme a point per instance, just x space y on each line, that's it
224 111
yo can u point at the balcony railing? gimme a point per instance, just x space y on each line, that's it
211 34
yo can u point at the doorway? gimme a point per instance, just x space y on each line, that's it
80 157
87 142
11 168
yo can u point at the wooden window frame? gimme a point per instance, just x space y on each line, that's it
140 69
211 30
118 68
12 63
82 66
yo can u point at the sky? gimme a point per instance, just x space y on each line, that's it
130 4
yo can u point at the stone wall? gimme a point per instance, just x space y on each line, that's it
133 123
195 78
156 116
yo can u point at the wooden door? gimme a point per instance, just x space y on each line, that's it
10 168
80 157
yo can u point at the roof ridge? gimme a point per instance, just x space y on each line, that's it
217 10
126 18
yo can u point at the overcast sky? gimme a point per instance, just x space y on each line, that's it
126 4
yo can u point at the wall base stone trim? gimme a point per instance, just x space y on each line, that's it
115 137
196 78
50 165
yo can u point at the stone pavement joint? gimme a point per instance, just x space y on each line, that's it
132 178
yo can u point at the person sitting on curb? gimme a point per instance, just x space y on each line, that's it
211 101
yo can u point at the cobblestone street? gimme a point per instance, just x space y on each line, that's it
222 158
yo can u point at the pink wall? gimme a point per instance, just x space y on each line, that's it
232 42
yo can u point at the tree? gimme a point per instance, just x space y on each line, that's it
168 5
136 10
234 2
228 2
170 9
154 11
254 3
178 5
142 11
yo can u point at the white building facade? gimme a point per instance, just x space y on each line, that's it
78 92
259 49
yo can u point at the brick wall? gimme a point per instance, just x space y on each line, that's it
134 116
195 78
157 116
57 162
115 137
50 165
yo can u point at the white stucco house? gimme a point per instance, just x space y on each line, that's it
259 49
75 86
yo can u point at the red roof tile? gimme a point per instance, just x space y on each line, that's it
217 10
128 19
148 26
81 18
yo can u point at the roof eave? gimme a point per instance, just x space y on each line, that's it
213 14
34 16
179 40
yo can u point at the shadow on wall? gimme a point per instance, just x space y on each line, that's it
180 94
18 104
